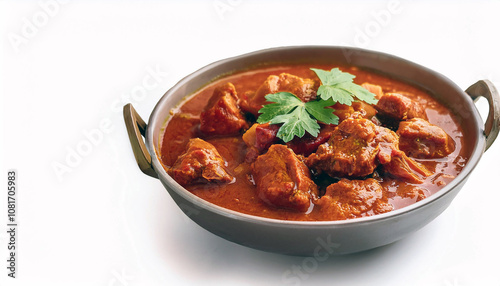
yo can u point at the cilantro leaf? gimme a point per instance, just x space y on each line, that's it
335 76
340 87
363 94
296 123
317 109
340 95
297 116
284 103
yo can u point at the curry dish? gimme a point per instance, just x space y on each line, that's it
379 155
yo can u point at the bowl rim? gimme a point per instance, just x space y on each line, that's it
171 184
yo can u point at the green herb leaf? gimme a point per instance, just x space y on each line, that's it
296 123
297 116
318 109
284 103
339 87
333 77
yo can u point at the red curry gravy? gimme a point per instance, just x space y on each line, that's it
240 194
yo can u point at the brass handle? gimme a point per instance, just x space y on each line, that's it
487 90
136 129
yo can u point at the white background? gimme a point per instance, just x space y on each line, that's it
68 68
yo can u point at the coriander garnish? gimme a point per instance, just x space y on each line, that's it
298 116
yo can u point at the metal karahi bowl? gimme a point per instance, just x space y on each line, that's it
322 237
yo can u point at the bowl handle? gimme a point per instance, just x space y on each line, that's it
136 129
486 89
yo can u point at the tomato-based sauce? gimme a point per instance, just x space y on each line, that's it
240 194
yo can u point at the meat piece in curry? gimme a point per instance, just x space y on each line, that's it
398 107
420 139
222 115
357 147
303 88
351 151
283 180
354 198
200 163
406 168
358 167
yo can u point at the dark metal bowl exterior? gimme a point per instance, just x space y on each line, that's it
331 237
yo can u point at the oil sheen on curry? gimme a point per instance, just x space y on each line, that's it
377 158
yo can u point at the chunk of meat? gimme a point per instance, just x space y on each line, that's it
420 139
406 168
349 199
200 163
373 88
399 107
221 115
258 138
395 161
305 89
354 149
283 180
388 144
358 146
